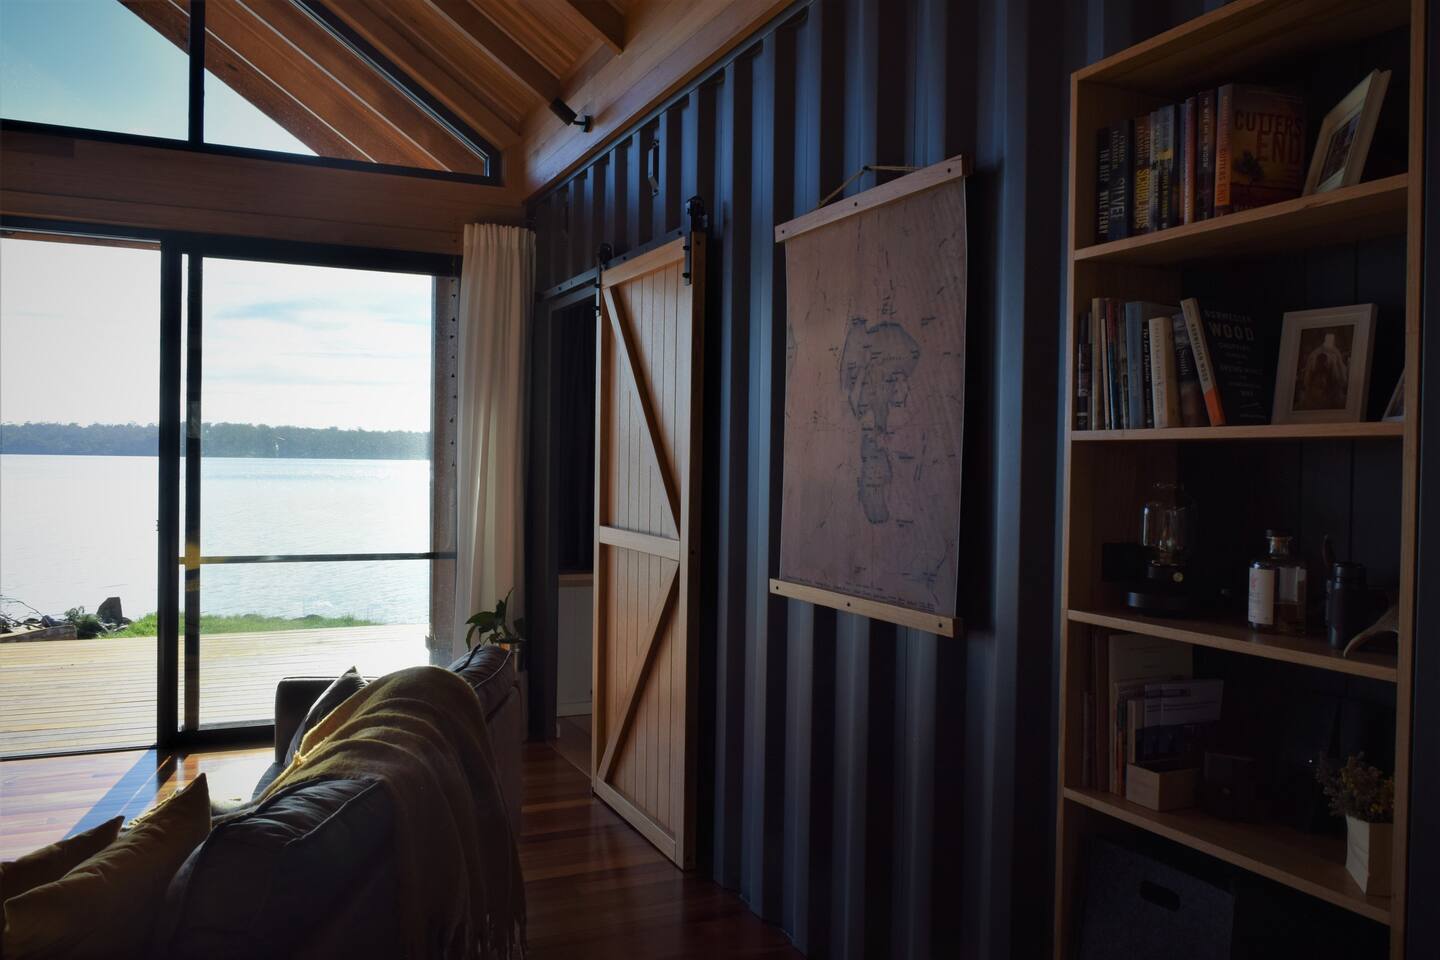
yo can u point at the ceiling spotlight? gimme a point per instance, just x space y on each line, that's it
569 117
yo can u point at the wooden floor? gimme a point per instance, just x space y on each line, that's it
61 695
595 888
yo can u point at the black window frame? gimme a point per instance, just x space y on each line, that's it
175 533
195 142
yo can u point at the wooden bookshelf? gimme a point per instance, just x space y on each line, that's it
1237 637
1367 430
1366 210
1313 865
1107 472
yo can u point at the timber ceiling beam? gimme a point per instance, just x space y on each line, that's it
487 36
604 22
385 25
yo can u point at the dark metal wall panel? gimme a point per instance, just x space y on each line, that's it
876 791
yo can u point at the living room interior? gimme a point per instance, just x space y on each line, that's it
564 478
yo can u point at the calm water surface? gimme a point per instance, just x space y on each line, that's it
75 530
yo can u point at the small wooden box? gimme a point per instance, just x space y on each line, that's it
1161 789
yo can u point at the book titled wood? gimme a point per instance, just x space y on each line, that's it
1187 383
1238 353
1118 223
1187 149
1204 364
1165 395
1260 147
1139 408
1205 155
1082 374
1140 175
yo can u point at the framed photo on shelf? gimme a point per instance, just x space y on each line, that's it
1324 372
1345 136
1395 409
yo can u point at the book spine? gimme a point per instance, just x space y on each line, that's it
1096 404
1135 366
1187 384
1147 392
1102 185
1204 363
1205 156
1082 375
1119 221
1122 366
1224 121
1100 330
1187 161
1163 397
1170 160
1156 216
1140 176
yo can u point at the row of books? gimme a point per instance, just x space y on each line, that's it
1142 364
1223 150
1143 706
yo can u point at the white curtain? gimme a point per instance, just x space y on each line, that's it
496 291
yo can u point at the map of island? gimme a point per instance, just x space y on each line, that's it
874 403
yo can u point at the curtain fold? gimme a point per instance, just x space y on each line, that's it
496 293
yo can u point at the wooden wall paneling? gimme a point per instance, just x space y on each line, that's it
64 178
671 43
414 36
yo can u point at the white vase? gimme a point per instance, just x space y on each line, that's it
1368 849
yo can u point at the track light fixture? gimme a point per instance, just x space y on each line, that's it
569 117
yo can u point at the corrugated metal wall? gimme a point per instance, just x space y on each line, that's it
876 791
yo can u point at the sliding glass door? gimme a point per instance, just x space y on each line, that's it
79 368
310 538
222 462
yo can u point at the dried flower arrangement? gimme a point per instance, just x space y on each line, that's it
1357 790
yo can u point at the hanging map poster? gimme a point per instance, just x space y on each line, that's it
875 400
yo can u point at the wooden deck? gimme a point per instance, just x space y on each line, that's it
97 694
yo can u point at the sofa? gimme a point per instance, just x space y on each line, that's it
306 872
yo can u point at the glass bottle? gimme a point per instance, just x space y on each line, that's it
1277 589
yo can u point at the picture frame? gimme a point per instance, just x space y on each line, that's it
1324 370
1395 409
1345 135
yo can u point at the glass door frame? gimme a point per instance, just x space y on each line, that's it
178 542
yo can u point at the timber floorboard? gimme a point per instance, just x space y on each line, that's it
595 888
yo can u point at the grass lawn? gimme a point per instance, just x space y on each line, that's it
246 623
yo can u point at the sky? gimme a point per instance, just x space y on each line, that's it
79 325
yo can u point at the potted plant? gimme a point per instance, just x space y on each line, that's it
1365 797
494 626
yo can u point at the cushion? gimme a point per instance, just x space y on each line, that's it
337 693
106 906
262 883
49 864
487 669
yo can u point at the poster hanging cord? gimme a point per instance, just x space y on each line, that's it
886 168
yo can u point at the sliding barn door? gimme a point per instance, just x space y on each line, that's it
647 438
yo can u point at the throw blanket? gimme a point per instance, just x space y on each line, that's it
422 732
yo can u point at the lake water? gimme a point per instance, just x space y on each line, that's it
75 530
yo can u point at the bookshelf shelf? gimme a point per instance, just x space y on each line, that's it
1309 863
1372 209
1237 637
1369 430
1357 482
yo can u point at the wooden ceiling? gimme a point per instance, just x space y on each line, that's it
492 64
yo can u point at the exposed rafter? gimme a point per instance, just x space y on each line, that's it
381 25
495 43
606 23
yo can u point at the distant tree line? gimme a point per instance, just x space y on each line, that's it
216 440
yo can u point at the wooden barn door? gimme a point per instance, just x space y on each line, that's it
647 439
